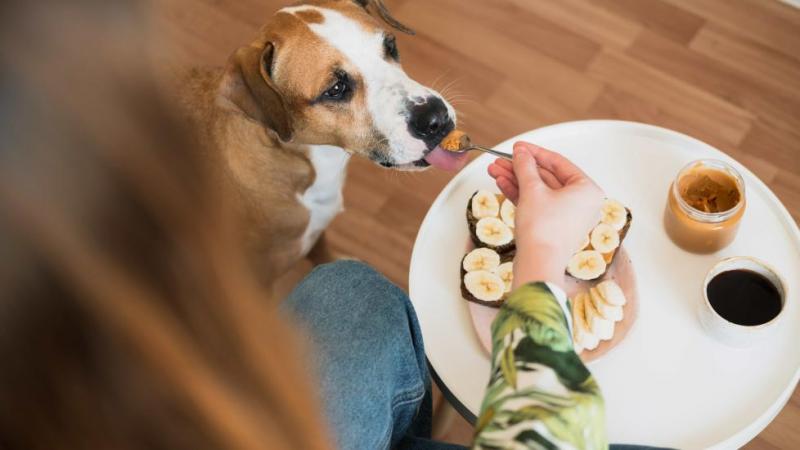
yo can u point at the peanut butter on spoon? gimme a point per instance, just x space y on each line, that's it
455 141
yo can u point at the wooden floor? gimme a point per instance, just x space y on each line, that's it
724 71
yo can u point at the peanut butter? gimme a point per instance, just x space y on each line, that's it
704 207
455 141
709 190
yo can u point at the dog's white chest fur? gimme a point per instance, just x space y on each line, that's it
323 198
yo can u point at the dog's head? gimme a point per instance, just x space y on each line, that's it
328 72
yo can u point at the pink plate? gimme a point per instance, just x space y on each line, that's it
621 271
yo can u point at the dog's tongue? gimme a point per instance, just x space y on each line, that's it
442 159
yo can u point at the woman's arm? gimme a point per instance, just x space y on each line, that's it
540 394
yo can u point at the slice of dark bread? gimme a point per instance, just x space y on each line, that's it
472 222
467 295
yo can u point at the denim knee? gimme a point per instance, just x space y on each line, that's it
346 271
350 288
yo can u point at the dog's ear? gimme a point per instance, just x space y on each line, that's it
255 92
387 17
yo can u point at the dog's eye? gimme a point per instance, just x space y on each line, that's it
337 91
340 91
390 47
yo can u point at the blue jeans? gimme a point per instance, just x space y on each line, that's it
369 358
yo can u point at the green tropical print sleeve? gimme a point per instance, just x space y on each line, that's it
540 395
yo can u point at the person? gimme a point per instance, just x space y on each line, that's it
370 354
129 318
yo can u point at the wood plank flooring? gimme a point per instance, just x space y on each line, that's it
724 71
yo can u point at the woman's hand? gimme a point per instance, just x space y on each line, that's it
557 206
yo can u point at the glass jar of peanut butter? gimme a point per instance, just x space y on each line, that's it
706 202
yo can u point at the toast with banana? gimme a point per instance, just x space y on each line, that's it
600 247
486 276
490 218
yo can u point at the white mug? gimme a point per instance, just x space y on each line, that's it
731 333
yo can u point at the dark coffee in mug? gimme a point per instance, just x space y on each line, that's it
744 297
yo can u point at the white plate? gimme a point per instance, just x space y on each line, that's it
667 383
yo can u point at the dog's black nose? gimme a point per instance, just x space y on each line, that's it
430 121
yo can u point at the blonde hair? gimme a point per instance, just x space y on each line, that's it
129 317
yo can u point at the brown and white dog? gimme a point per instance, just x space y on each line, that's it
321 82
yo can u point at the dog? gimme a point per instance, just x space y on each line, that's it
321 82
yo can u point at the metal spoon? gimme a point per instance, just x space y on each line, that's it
483 149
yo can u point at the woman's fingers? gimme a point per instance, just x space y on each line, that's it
526 171
563 169
505 179
498 169
505 168
509 189
549 179
505 163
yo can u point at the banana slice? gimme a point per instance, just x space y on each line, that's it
598 325
608 311
586 265
581 335
484 285
604 238
481 259
492 231
485 204
614 214
507 212
506 273
611 293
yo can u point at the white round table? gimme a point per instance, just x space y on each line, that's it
668 383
